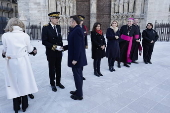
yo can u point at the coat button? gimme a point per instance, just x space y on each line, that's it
53 38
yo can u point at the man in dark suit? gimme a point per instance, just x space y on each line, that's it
76 55
84 28
52 40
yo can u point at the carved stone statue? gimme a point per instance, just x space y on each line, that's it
138 7
58 6
63 7
131 6
125 6
117 6
121 6
112 6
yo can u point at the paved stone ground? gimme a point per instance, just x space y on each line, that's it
139 89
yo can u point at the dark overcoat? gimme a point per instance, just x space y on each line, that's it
112 50
75 47
97 41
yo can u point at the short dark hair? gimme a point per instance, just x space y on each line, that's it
76 18
150 24
95 25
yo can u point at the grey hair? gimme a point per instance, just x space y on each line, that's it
14 22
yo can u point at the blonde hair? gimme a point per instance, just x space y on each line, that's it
114 21
14 22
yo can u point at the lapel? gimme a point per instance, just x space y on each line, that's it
52 30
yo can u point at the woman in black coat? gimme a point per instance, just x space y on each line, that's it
113 50
98 47
150 36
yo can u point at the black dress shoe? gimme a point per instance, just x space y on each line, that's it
126 65
118 66
31 96
73 92
84 78
96 73
129 63
54 88
113 69
100 74
60 85
135 62
145 62
110 69
25 109
74 97
150 62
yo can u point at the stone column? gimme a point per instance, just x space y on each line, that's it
117 6
121 6
52 6
131 6
125 6
93 12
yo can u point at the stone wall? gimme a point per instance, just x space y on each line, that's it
158 10
36 11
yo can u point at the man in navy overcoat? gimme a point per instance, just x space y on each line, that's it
76 55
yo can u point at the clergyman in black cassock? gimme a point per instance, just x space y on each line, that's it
135 43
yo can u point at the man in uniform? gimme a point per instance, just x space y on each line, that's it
52 40
84 28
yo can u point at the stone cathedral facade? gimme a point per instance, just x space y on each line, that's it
104 11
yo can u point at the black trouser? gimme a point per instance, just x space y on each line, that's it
111 62
147 52
54 64
78 79
17 102
96 65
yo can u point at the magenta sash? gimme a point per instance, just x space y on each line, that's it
128 38
136 36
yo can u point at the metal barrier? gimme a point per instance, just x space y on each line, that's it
163 30
34 31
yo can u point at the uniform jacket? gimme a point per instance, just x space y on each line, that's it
50 38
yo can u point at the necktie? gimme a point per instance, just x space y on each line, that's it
56 30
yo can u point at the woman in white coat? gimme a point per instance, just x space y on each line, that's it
19 77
